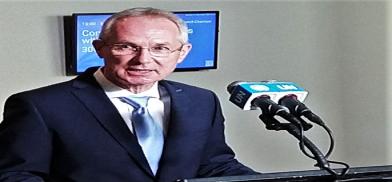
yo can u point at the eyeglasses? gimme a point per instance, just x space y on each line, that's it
158 50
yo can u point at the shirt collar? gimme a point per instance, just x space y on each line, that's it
114 91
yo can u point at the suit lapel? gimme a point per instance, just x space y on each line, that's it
94 98
176 150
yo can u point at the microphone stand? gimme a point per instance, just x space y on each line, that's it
273 124
270 109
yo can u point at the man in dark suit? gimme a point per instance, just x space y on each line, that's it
80 130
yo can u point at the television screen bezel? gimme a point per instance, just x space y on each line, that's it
70 36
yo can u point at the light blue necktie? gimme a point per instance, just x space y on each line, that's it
148 132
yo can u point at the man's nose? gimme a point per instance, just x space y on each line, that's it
143 55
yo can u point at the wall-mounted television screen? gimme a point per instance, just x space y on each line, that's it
81 29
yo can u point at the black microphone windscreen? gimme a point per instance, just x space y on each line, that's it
232 85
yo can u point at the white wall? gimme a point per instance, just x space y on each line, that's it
337 50
363 57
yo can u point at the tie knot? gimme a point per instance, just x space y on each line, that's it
136 102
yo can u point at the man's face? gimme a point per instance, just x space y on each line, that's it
141 69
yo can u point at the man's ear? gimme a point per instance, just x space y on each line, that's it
186 48
98 45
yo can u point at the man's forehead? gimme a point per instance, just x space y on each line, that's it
145 28
146 20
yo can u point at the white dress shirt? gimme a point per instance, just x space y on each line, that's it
155 106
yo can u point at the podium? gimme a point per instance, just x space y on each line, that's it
360 174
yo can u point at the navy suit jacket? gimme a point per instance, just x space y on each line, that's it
72 132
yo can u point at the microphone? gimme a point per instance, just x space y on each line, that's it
242 93
299 109
265 95
270 108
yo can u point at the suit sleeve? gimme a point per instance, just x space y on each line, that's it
25 142
219 158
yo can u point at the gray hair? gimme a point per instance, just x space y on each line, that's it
137 12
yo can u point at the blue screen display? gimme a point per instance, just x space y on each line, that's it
203 35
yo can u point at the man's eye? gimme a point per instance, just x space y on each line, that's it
160 48
124 46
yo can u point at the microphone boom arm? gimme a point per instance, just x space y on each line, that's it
273 124
322 162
